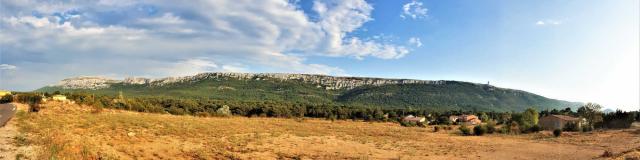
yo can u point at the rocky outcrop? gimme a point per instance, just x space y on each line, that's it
136 80
86 82
324 81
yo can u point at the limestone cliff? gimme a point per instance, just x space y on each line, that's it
324 81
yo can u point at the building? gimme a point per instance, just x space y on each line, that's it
465 119
59 97
552 122
3 93
469 119
414 119
453 119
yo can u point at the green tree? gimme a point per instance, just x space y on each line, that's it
529 118
591 112
484 117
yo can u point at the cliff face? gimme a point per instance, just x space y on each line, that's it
86 82
324 81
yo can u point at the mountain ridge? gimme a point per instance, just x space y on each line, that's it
318 89
329 82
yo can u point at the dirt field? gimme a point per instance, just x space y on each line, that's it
72 132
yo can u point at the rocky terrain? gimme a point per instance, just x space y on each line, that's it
86 82
324 81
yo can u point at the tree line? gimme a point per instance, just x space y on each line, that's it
525 121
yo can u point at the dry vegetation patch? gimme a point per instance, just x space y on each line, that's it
76 132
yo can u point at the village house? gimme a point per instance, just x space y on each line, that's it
453 119
552 122
465 119
414 119
59 97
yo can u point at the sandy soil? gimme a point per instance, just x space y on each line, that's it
7 145
76 132
9 135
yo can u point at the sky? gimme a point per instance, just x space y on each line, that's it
575 50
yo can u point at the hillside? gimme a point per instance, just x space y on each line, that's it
318 89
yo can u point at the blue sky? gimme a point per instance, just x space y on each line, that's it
575 50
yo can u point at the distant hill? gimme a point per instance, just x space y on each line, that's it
319 89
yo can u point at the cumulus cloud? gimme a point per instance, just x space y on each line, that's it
548 22
413 10
7 67
154 38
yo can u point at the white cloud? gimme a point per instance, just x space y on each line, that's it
165 19
151 37
413 10
548 22
7 67
415 41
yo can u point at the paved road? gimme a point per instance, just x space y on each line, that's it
6 113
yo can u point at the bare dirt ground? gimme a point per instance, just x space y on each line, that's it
10 139
74 132
7 146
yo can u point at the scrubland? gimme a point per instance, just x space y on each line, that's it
68 131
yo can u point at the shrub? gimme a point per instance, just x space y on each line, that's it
223 111
514 128
491 127
535 129
465 130
479 130
6 99
572 127
420 124
436 128
34 107
557 132
443 120
504 130
407 124
607 154
587 129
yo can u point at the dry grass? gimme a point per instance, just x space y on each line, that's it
74 132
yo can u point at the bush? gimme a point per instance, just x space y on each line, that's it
465 130
587 129
34 107
535 129
436 128
571 127
607 154
514 128
223 111
557 132
420 124
407 124
6 99
491 127
504 130
479 130
443 120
